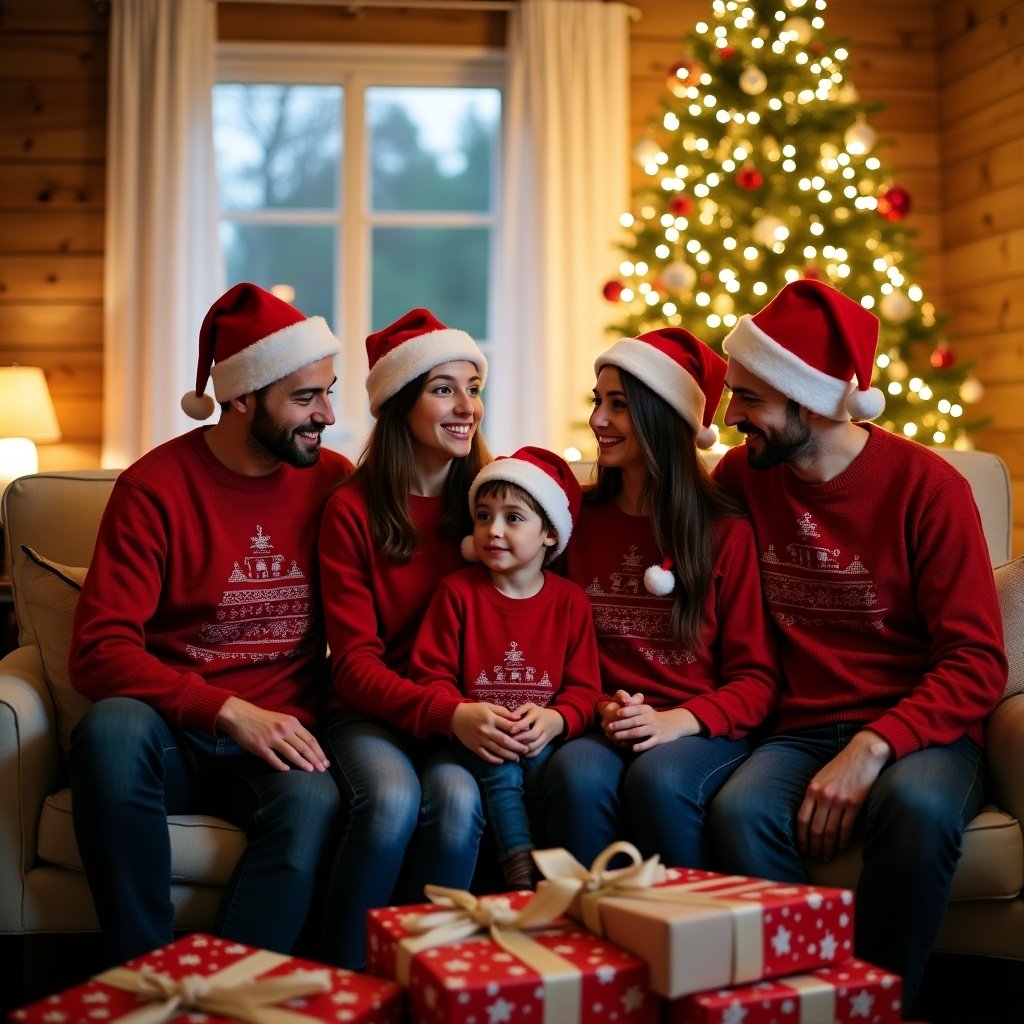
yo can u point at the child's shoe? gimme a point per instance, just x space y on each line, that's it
519 870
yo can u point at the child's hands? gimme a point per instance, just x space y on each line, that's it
641 727
611 710
537 727
485 730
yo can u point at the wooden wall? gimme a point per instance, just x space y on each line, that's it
949 72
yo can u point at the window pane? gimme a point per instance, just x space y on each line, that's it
444 269
278 146
301 258
432 149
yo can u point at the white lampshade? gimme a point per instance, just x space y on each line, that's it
26 416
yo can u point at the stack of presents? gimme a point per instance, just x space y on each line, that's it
641 944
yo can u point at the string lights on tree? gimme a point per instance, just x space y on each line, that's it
764 169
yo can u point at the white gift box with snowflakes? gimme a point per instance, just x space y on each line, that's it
558 973
854 992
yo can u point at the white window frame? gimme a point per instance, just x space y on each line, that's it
357 67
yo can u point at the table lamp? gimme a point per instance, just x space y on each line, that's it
26 416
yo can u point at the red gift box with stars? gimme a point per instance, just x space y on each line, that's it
217 981
854 992
698 930
477 980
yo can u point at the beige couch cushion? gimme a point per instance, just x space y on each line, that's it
1010 588
49 593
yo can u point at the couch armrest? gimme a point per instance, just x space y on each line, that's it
29 772
1004 738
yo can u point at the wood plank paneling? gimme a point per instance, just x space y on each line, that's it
25 231
57 58
51 326
51 278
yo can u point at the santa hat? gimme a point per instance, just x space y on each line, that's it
412 345
250 339
547 478
679 368
809 342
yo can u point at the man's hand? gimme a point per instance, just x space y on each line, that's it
536 727
485 730
638 725
836 794
281 740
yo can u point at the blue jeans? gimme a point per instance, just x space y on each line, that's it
511 795
596 792
413 818
130 769
912 824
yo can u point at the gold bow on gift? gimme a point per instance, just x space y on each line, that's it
227 993
494 915
570 878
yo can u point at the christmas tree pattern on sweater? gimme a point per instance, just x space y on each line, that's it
514 682
628 617
264 612
811 583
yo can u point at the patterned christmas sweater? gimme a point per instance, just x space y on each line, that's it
373 607
203 585
511 651
880 583
730 683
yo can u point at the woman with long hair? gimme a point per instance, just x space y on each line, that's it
688 663
411 812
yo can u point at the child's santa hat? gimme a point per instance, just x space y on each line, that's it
412 345
250 339
679 368
809 342
547 478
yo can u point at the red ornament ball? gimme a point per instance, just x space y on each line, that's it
749 178
893 203
681 76
612 290
707 279
726 52
811 273
817 48
942 358
680 206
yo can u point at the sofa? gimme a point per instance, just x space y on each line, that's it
50 521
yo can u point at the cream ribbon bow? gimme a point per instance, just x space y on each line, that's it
494 915
570 878
227 993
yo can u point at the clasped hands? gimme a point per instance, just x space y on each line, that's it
496 734
628 720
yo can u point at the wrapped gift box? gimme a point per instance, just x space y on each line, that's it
852 993
476 980
230 973
698 930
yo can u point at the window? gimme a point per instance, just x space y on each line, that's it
358 183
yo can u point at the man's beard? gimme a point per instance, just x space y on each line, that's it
793 440
267 437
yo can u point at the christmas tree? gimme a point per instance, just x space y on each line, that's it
764 169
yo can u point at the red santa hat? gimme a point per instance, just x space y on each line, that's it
810 342
250 339
679 368
547 478
412 345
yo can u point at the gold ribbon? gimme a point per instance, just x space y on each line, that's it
817 998
230 992
494 915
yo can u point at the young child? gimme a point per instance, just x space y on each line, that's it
511 634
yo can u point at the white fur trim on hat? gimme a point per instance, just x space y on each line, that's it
775 365
662 374
540 485
407 361
273 357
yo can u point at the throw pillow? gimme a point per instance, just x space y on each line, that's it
49 593
1010 589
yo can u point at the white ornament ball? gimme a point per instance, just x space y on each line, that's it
799 29
972 390
859 138
753 81
679 277
896 307
763 231
645 151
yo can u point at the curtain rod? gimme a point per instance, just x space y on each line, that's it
438 5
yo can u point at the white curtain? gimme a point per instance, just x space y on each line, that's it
566 185
163 267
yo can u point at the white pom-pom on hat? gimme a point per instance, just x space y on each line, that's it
197 407
468 549
660 580
866 405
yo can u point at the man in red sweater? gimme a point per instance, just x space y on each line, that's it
199 635
877 574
